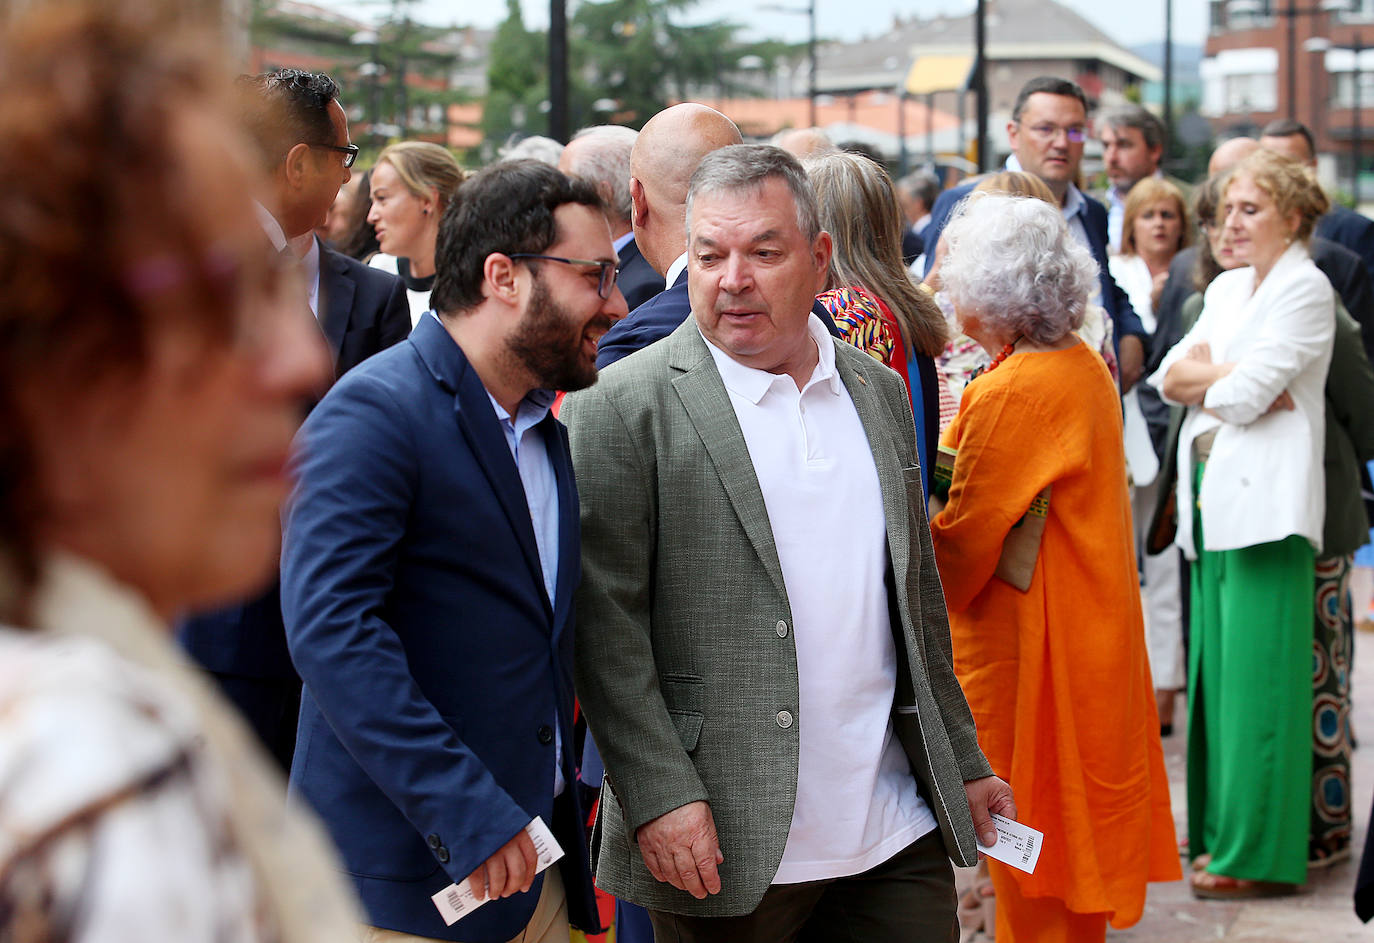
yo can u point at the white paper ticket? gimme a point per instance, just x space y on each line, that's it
1017 845
457 900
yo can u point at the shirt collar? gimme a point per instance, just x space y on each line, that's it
753 384
675 269
531 411
270 226
621 242
1073 205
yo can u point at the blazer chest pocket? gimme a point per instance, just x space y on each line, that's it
685 696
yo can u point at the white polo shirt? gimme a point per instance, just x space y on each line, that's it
857 804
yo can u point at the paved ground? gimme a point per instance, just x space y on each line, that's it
1323 913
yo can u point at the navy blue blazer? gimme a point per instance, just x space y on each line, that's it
637 279
435 667
1124 319
362 310
660 316
1352 230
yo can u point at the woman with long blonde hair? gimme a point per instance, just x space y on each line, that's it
870 293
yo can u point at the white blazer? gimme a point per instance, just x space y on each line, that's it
1264 480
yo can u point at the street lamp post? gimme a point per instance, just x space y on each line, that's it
810 11
558 71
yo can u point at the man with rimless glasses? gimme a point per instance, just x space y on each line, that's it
429 558
1048 125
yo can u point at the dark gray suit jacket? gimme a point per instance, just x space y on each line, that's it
679 668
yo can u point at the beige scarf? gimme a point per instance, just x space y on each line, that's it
298 873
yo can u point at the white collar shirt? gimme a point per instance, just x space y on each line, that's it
856 801
675 269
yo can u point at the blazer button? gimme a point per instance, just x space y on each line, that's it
784 719
782 629
433 841
442 854
546 734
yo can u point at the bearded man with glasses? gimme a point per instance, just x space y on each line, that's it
1048 126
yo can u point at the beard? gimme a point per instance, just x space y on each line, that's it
548 343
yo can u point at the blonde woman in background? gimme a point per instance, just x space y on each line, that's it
412 183
1153 231
870 294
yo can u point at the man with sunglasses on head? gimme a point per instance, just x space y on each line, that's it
1049 123
301 133
430 553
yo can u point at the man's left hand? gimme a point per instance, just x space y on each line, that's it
986 796
1131 360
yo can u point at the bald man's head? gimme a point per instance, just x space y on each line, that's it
1229 153
665 155
805 142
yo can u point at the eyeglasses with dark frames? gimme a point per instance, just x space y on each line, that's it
604 286
349 151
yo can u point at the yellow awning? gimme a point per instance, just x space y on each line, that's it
937 74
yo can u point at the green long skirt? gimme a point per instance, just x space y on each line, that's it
1250 707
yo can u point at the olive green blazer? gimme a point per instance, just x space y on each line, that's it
685 662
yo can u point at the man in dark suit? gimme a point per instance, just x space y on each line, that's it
601 156
1341 225
429 558
1049 123
302 135
665 154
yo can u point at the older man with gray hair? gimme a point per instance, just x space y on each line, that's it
601 156
789 757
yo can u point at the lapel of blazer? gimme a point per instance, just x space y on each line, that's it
477 421
708 406
336 299
879 423
569 529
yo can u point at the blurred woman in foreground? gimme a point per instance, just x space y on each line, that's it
410 186
871 295
1251 496
1034 546
149 405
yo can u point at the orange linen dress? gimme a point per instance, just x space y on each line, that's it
1057 676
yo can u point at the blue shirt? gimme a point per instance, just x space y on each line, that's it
526 442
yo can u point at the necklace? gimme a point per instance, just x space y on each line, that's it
1005 353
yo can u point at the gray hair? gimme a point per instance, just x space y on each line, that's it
923 185
1013 263
748 167
1134 116
534 147
606 164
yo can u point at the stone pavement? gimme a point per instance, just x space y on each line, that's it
1322 913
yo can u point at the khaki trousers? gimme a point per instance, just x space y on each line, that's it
548 925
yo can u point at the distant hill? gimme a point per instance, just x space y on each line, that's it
1187 58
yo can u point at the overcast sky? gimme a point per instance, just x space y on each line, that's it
1128 23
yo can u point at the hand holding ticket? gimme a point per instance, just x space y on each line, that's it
1017 845
457 900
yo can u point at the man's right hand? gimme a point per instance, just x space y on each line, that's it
680 847
510 871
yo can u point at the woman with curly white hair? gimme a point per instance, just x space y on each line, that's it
1035 552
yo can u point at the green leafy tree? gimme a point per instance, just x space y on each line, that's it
517 79
633 53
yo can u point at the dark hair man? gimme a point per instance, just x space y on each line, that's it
1132 148
1341 225
429 557
1049 123
301 134
759 784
